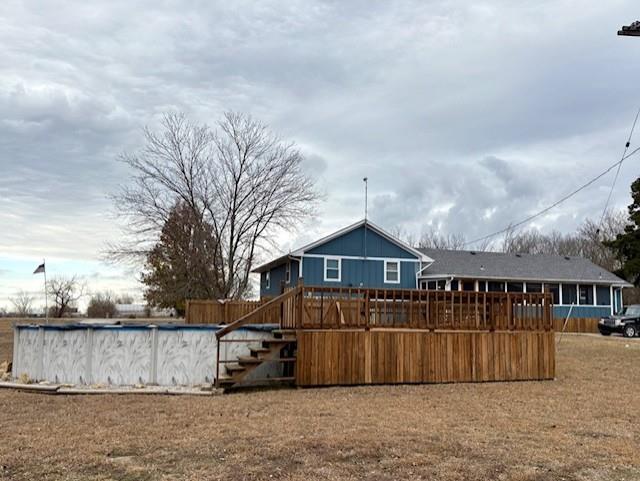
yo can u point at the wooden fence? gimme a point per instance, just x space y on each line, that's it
221 312
393 356
577 324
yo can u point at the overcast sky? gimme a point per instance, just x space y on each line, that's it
464 115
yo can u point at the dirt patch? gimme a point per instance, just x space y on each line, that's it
571 428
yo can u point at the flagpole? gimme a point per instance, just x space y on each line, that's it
46 307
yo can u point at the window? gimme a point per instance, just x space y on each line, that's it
455 285
436 285
603 295
332 269
468 286
392 272
267 280
586 295
495 286
569 292
287 273
534 287
482 286
515 287
554 289
631 311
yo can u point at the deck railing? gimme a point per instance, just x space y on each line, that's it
338 308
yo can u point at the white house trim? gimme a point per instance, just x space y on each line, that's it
361 258
599 282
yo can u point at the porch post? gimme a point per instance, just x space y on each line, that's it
611 300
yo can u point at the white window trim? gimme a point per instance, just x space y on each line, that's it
339 259
267 277
395 261
287 273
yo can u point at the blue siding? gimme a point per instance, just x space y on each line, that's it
358 273
581 311
352 244
277 279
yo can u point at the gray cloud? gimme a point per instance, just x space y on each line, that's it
464 116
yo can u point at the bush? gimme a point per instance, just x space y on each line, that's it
101 305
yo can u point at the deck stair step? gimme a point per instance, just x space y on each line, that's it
284 334
274 342
249 360
255 351
231 368
242 360
278 349
225 381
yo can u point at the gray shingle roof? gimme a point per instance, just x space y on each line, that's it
494 265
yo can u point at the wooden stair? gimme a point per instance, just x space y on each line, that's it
281 348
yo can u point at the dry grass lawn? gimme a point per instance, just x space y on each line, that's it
584 425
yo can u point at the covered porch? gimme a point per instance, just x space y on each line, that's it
573 299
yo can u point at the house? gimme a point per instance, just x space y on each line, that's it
142 310
363 255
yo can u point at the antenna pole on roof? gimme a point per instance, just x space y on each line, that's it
366 186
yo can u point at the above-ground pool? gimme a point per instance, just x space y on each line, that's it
124 355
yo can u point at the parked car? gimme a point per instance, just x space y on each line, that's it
625 322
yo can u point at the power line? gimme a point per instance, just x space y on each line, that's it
604 212
615 179
568 196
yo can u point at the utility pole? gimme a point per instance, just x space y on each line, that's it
632 30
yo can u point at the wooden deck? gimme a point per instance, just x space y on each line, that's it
342 336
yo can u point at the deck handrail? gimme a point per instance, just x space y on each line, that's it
335 307
252 316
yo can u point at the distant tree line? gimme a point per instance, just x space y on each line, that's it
64 293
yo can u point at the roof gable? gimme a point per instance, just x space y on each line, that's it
362 239
349 242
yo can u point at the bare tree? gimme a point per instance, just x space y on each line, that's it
432 239
587 242
240 179
594 236
407 237
65 292
22 303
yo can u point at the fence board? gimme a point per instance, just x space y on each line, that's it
224 312
378 356
577 324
